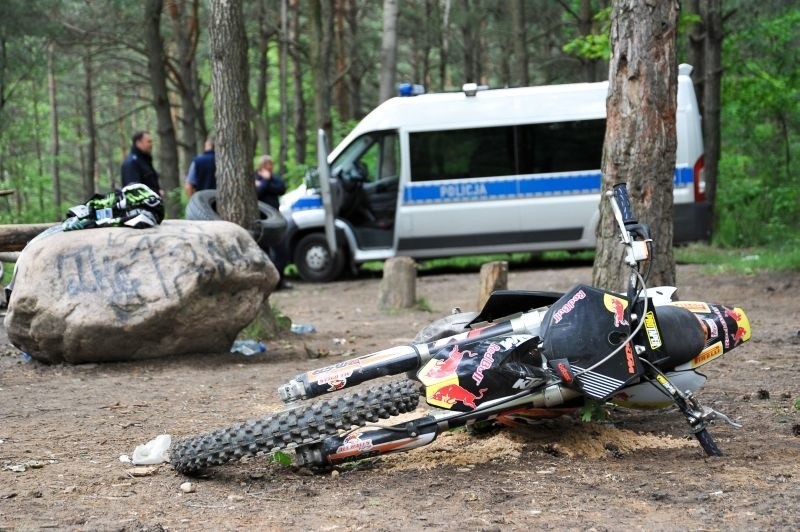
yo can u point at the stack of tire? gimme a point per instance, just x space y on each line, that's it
268 230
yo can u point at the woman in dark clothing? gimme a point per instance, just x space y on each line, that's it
269 188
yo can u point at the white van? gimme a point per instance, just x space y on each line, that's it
472 172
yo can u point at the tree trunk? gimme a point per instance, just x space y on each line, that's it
519 71
388 51
342 60
445 46
696 51
712 94
91 129
321 21
494 276
167 148
398 288
234 151
300 122
186 30
283 59
640 137
260 111
54 138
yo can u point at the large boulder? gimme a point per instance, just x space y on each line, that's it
124 294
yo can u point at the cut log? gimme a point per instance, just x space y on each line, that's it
494 276
398 288
15 237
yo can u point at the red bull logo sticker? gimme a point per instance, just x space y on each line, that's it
653 336
708 354
617 307
450 394
354 444
442 368
742 333
485 363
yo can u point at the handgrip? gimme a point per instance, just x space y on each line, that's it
624 203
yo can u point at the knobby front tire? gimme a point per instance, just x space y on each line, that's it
301 425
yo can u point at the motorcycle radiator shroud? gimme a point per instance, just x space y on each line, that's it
579 332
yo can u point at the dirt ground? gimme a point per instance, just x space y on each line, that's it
63 429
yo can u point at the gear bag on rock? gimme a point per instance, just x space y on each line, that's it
135 205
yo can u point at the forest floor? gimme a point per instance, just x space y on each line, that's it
63 429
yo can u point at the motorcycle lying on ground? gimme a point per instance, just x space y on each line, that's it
526 356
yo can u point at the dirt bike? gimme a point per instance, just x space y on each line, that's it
525 357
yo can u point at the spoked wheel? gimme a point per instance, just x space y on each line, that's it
302 425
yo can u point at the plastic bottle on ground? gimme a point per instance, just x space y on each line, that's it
248 347
303 328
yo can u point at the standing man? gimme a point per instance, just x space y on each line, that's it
202 171
269 188
138 165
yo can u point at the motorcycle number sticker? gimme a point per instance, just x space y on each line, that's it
653 336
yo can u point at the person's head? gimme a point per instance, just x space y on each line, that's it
142 141
209 144
265 162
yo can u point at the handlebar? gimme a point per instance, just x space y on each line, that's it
624 204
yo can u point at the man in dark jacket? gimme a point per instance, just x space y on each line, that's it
202 171
138 165
269 188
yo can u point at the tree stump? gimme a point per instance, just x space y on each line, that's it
398 288
494 276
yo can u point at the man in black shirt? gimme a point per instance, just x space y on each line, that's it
138 165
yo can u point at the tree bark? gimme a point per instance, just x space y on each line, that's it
712 95
186 27
398 288
234 151
91 128
167 145
696 51
55 147
300 122
261 108
640 137
342 61
283 60
494 276
519 69
388 51
321 20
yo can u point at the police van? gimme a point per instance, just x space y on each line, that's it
473 172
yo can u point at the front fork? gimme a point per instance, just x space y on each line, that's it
366 442
698 416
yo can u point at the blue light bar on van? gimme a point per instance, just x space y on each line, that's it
410 89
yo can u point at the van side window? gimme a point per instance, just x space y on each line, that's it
507 150
561 146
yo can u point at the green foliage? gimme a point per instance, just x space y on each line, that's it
784 257
758 196
424 305
282 458
596 45
593 411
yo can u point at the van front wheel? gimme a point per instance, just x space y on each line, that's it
314 260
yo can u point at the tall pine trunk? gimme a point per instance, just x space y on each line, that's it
300 122
55 147
91 128
640 137
388 51
167 145
234 153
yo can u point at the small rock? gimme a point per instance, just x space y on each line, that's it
143 471
70 489
763 394
235 498
334 473
187 487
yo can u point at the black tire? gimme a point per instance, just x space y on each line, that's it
269 230
707 443
314 261
444 327
302 425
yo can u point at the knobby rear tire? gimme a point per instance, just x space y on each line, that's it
302 425
707 443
